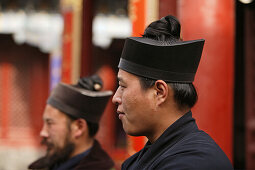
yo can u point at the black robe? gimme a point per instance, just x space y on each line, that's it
97 159
181 146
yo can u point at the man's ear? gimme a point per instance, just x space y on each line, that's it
161 90
79 127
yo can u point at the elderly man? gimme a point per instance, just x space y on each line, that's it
71 120
155 97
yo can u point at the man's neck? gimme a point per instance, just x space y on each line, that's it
82 146
167 119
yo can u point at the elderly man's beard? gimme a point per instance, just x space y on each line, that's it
59 156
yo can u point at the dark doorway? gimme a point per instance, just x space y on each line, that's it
244 101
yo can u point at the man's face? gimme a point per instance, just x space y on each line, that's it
135 105
55 131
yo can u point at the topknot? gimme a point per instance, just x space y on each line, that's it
93 83
167 29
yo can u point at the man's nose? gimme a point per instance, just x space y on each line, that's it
116 98
44 133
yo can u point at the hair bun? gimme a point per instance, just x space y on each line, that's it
93 83
167 28
174 26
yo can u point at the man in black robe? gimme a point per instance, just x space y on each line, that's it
155 97
71 120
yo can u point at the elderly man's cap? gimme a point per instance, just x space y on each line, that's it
175 62
83 100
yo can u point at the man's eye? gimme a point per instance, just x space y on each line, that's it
121 86
49 123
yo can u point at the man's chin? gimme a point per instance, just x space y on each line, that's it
53 157
50 152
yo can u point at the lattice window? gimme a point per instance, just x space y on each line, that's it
19 93
23 92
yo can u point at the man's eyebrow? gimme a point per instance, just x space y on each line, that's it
48 119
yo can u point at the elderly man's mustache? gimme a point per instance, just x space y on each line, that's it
47 144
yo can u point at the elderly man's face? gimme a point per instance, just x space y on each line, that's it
56 130
135 105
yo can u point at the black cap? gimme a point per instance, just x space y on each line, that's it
82 100
175 62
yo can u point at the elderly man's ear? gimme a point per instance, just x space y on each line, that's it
79 127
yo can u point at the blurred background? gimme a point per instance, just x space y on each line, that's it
43 42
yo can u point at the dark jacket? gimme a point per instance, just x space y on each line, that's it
181 146
96 159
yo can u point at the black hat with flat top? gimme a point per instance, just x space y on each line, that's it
158 60
83 100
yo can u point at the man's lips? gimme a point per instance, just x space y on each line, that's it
121 114
47 144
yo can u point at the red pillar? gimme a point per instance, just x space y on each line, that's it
106 134
213 20
5 79
138 17
67 47
167 7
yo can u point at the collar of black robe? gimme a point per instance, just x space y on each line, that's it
183 126
158 60
78 102
72 162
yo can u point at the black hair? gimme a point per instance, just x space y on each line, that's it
92 127
167 30
88 83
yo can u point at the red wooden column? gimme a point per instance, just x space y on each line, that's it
67 47
137 9
213 20
167 7
5 98
106 134
137 13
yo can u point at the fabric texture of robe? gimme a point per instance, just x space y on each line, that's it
181 146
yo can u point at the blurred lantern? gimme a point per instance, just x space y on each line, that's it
246 1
